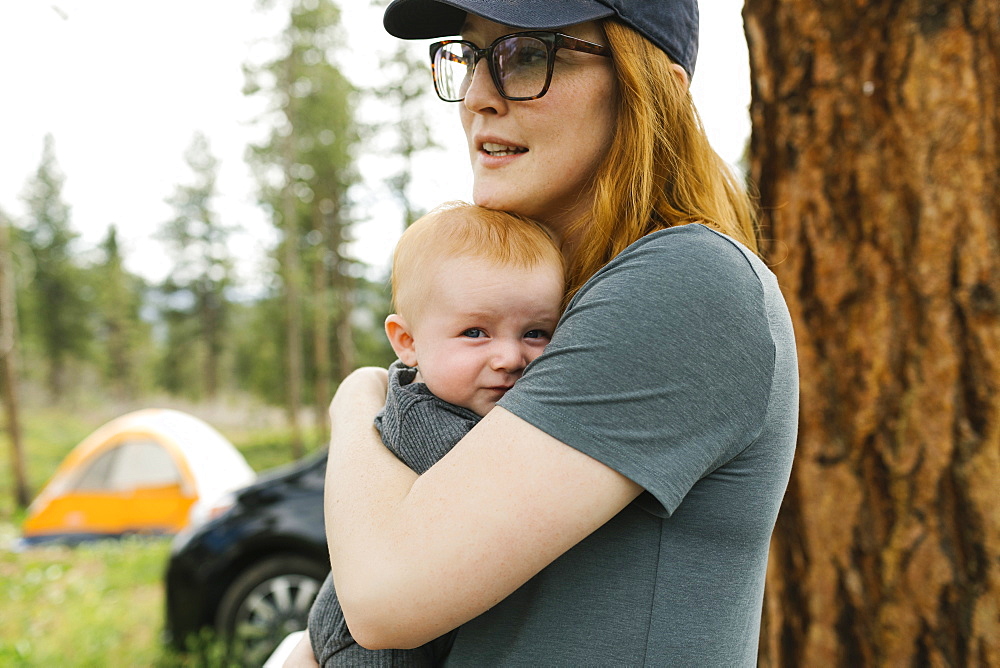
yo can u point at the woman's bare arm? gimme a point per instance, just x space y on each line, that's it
416 557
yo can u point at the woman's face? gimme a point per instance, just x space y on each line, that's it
537 157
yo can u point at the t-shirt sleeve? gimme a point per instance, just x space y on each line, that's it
661 366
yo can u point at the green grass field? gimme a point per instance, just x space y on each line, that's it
100 604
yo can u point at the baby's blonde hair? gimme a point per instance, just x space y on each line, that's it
458 229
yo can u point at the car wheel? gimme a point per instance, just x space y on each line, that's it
267 602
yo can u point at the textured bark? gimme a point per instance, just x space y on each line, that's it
876 150
10 382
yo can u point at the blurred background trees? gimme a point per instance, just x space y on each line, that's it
10 376
124 336
305 170
876 149
195 302
88 327
56 305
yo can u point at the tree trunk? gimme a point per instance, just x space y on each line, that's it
9 377
346 348
321 325
117 324
118 356
293 306
343 287
876 149
216 343
211 327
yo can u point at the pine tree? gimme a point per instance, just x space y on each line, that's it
123 334
406 93
195 290
312 148
59 309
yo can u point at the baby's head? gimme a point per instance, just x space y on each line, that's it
477 294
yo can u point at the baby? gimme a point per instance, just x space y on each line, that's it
477 295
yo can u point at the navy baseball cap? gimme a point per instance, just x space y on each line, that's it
672 25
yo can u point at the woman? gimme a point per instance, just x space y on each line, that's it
616 507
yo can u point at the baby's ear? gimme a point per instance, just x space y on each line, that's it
401 339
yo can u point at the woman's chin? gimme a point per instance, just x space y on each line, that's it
491 199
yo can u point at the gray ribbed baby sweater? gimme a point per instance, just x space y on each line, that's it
420 429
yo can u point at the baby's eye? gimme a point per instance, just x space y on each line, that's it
474 333
536 334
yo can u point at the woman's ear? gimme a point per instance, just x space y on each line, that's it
681 75
401 339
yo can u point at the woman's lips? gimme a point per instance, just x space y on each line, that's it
497 150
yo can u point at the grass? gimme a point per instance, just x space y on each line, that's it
101 604
95 605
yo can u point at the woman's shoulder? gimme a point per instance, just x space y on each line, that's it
687 256
695 243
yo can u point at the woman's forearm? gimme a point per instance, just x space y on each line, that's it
416 557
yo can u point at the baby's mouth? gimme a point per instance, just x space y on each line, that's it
501 150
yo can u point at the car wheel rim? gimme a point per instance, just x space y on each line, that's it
272 610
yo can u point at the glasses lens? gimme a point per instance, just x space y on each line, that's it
453 67
521 64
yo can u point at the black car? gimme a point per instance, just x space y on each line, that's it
250 574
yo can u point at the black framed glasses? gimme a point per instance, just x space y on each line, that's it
520 63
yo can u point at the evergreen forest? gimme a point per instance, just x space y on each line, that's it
77 323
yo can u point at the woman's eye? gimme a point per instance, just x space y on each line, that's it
528 57
536 334
474 333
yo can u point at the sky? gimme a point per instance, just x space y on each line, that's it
123 86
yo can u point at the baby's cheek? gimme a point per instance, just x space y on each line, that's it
534 353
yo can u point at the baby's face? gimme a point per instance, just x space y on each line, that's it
480 327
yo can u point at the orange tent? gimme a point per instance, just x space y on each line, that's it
146 472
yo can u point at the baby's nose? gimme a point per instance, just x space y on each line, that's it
509 356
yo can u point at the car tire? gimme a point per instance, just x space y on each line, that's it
265 603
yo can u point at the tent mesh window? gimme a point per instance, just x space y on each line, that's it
96 476
130 465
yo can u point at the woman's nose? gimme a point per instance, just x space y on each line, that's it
482 95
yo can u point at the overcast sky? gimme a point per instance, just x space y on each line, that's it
123 86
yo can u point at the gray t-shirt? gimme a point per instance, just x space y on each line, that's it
674 365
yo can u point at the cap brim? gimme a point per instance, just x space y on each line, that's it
422 19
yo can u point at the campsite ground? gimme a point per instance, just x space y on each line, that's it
101 604
96 605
